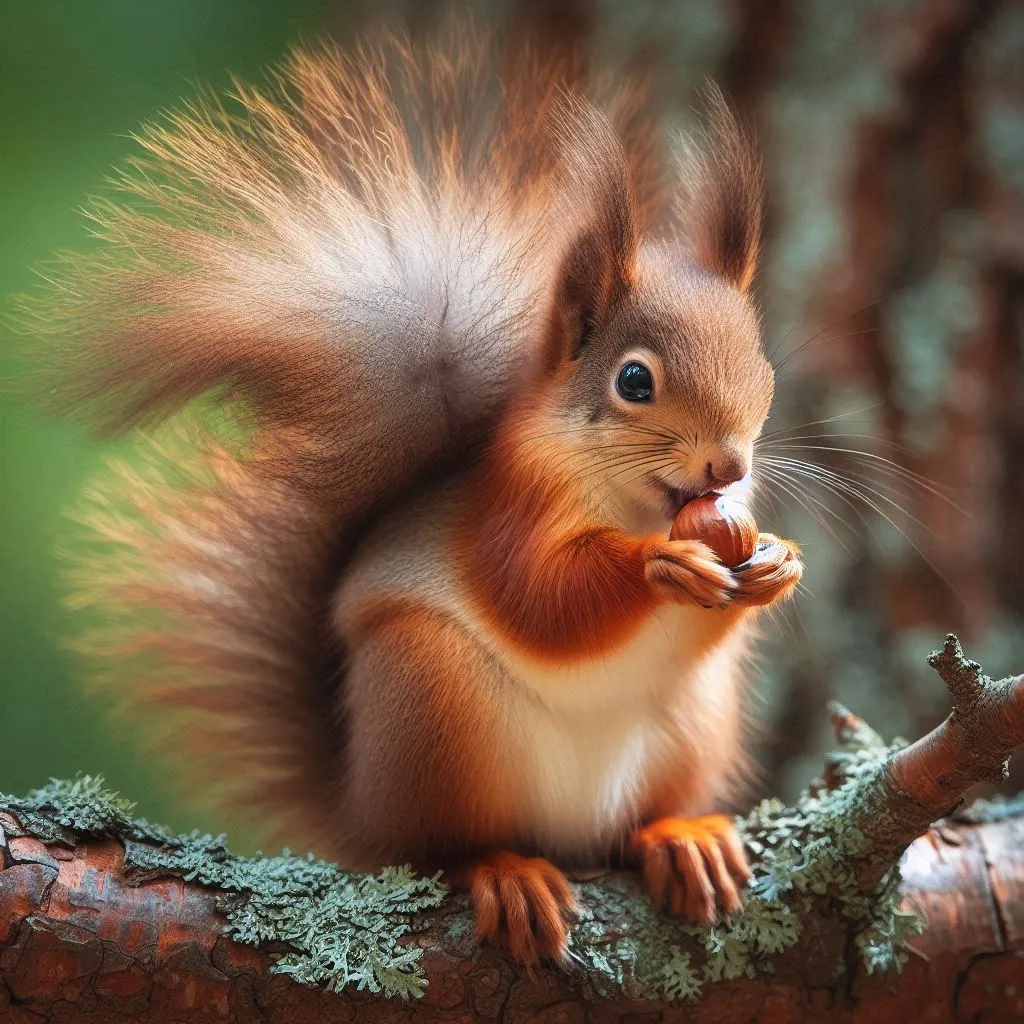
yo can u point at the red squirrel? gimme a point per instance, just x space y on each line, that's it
476 341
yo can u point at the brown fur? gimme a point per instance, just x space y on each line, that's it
408 280
688 863
409 797
537 578
721 199
215 278
522 903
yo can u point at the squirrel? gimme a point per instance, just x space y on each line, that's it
468 340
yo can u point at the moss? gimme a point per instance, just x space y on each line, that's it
343 929
808 858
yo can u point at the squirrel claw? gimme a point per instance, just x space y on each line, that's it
691 865
522 904
771 574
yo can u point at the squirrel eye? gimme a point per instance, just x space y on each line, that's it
635 383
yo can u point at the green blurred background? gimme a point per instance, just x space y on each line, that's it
76 78
893 271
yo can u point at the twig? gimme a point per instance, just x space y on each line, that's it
928 779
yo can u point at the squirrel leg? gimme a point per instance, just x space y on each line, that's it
428 775
770 575
691 865
523 904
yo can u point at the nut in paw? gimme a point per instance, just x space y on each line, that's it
770 575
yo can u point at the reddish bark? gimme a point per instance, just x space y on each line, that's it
77 943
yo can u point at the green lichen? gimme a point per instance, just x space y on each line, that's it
342 929
678 980
807 861
83 805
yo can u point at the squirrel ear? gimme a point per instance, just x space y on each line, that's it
722 194
597 268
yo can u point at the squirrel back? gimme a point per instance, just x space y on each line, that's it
353 268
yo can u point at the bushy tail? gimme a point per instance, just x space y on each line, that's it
210 582
349 266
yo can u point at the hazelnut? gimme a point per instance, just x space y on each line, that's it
723 523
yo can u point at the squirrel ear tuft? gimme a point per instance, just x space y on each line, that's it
722 193
597 267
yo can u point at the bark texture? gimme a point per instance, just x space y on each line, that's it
79 943
86 934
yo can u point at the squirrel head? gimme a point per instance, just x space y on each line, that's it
653 373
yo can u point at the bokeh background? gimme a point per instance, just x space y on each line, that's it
892 285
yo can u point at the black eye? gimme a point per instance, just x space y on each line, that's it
635 383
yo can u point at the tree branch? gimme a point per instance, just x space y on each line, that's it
103 917
929 778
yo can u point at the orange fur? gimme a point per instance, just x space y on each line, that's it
686 862
406 278
406 796
556 580
522 903
561 585
771 575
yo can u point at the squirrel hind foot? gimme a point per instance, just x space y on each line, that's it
692 865
522 904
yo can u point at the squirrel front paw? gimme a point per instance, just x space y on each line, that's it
522 904
770 575
692 865
689 570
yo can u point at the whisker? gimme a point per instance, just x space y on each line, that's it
565 431
914 484
835 323
857 488
882 464
848 490
779 476
826 329
642 469
845 498
820 340
651 464
775 348
610 461
881 442
806 500
878 462
817 423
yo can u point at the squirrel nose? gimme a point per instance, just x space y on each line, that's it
728 467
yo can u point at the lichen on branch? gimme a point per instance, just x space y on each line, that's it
341 929
825 887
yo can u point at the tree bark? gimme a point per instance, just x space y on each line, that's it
86 936
78 942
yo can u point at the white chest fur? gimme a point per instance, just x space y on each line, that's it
589 737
